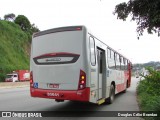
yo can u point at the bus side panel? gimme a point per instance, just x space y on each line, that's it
130 73
92 73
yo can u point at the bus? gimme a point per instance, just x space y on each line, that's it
70 63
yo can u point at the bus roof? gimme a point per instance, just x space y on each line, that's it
110 47
60 29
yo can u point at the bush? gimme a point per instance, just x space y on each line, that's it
2 77
152 82
148 93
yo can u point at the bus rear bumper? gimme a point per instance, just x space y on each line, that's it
75 95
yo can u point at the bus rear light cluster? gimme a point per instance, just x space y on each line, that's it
31 79
82 80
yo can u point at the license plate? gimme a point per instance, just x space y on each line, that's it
53 85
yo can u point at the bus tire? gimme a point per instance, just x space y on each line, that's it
112 94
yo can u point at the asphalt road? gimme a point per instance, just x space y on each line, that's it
18 99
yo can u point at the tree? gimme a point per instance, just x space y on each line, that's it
23 22
34 28
146 13
10 16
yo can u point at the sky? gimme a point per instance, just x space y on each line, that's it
96 15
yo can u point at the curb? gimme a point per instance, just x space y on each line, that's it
14 84
7 87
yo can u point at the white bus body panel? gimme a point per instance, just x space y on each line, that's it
66 75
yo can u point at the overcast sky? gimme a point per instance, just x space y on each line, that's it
94 14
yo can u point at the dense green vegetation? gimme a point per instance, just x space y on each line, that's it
15 38
149 93
14 48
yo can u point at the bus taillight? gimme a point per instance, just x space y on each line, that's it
82 80
31 79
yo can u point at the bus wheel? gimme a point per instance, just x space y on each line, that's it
111 95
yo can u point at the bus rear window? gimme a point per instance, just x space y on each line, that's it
56 58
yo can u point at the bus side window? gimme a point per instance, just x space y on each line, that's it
120 60
111 62
92 51
115 58
117 61
127 65
124 61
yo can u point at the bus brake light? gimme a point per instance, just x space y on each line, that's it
82 80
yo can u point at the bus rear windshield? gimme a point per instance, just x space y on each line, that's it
57 48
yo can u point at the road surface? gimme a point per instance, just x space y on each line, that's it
18 99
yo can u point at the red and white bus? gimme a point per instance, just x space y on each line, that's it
69 63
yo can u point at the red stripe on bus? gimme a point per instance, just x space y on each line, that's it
121 87
77 95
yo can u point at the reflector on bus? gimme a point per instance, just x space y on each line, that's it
61 29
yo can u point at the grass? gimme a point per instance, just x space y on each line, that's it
14 45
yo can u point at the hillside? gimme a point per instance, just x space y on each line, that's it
152 64
14 48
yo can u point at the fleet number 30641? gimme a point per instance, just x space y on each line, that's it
53 94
